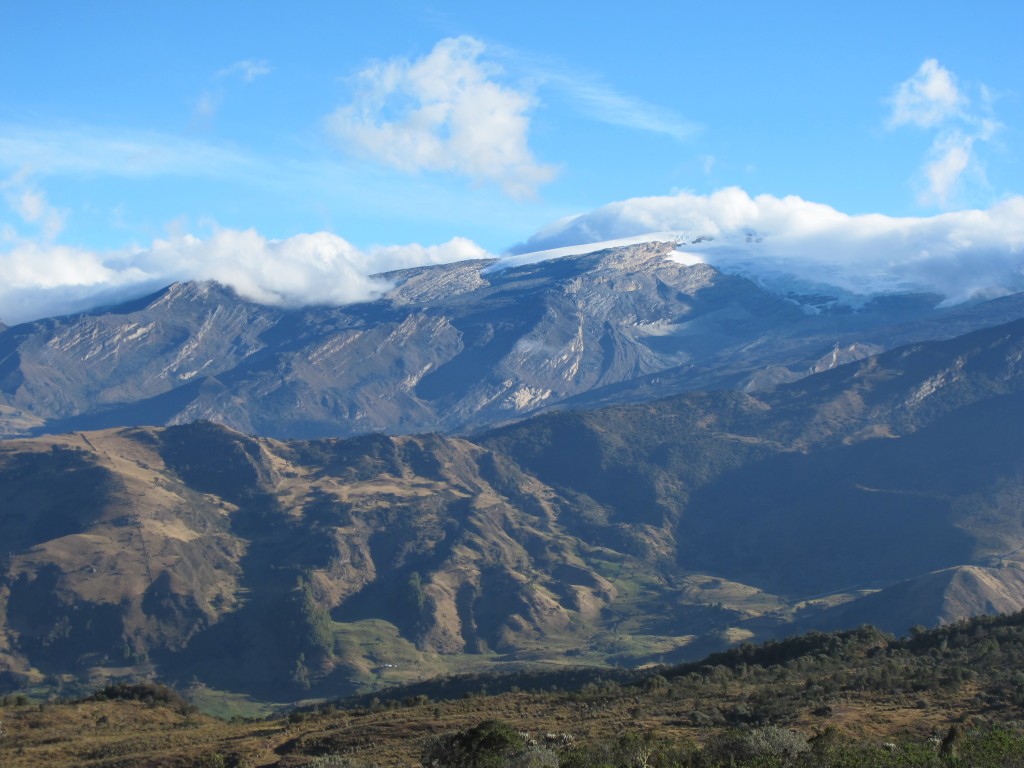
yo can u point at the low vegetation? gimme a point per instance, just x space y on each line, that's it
951 696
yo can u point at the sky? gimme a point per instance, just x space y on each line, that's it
295 151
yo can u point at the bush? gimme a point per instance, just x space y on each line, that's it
756 745
534 757
492 744
150 693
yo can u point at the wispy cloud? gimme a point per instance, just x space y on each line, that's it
125 154
247 69
447 112
207 106
591 97
600 102
931 98
211 100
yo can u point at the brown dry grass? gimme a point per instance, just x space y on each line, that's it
135 734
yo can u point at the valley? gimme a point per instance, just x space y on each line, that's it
623 536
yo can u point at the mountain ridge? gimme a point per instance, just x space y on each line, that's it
451 348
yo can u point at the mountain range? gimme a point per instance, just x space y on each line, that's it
702 466
451 349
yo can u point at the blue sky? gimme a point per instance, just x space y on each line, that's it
135 135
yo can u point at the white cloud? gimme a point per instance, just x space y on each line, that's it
387 258
247 69
315 268
931 99
444 112
927 98
320 268
951 156
959 255
34 265
31 206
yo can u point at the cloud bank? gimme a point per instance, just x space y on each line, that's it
444 112
787 243
44 279
961 255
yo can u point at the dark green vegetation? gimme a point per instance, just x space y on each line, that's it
884 491
945 698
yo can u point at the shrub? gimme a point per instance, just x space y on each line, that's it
492 744
756 744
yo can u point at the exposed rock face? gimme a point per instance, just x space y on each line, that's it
450 349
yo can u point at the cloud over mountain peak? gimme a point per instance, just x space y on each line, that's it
960 255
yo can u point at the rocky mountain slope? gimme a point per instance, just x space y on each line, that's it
450 349
884 490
